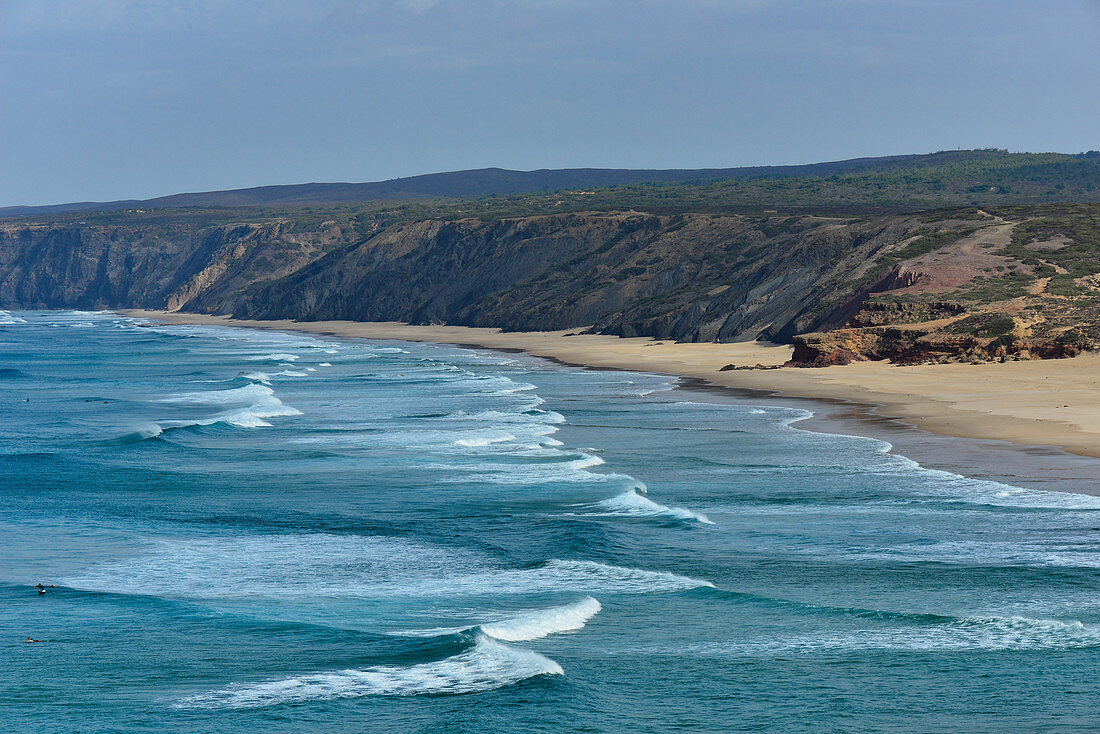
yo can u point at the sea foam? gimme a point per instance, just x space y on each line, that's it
244 407
277 357
951 634
319 565
632 503
539 623
485 440
6 319
487 665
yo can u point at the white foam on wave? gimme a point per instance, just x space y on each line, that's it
6 319
581 576
256 402
247 417
525 626
951 486
962 634
277 357
243 418
265 377
142 432
320 565
522 414
633 503
942 485
487 665
485 440
1069 551
1023 632
939 485
524 432
586 461
324 364
507 386
551 465
539 623
246 394
650 390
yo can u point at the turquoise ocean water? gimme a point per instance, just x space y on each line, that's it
268 532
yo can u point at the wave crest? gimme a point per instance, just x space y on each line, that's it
487 665
277 357
7 319
632 503
539 623
245 407
485 440
944 634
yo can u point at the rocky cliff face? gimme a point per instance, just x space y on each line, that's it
687 277
813 280
142 265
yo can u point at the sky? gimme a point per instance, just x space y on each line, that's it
118 99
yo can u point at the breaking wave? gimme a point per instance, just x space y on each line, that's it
539 623
633 503
925 633
6 319
345 567
277 357
265 377
481 441
244 407
486 665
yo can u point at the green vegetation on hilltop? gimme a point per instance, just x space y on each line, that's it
966 178
970 178
1065 243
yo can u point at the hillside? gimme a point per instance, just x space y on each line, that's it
945 178
862 273
457 185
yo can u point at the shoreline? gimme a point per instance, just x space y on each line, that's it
1047 468
1034 424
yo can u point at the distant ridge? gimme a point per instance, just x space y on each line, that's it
481 182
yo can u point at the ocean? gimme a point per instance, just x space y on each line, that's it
256 531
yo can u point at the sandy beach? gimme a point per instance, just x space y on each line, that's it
1047 403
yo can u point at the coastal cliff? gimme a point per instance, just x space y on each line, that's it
687 262
684 277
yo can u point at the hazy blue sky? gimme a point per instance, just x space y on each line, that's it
108 99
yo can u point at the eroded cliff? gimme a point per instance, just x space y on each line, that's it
907 287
